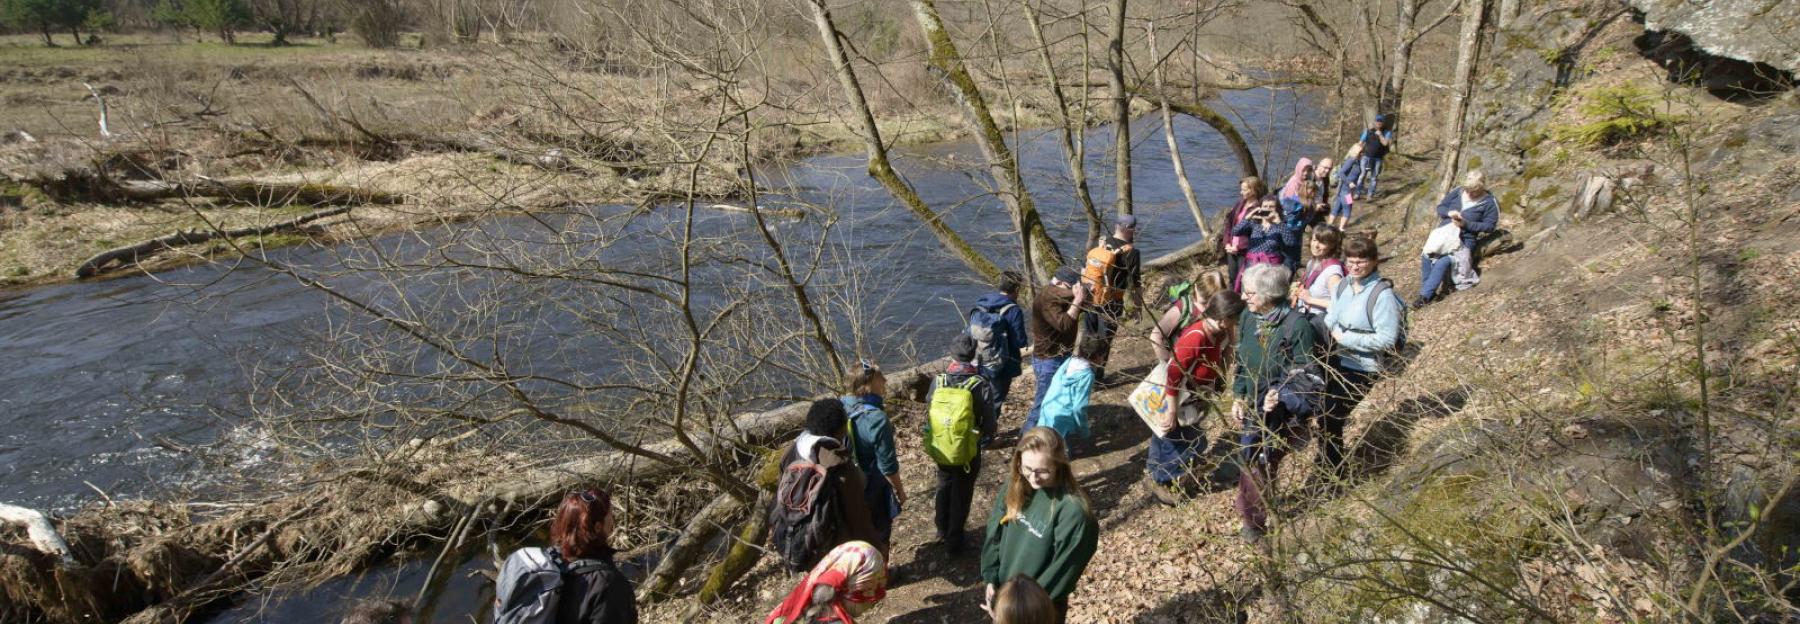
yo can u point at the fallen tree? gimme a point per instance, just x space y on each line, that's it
129 255
143 563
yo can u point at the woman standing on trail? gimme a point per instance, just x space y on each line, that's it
1312 295
1269 238
1186 309
872 443
1198 366
1250 193
1273 341
1042 525
845 584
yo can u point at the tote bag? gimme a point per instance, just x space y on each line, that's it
1153 404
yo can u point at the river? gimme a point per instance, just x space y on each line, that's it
138 386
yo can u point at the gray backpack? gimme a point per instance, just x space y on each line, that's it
530 586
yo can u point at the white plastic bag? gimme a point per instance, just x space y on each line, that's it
1444 240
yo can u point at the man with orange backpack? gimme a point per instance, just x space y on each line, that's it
1113 270
961 417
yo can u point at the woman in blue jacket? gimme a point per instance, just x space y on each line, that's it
1473 209
1366 332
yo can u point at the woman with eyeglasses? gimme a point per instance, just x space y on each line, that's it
1366 321
593 590
1042 525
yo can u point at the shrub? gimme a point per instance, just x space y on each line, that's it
379 22
1616 114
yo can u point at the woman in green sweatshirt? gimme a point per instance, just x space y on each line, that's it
1041 526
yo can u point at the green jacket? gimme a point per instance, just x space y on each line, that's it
1262 358
1051 542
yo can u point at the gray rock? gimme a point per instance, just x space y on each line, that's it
1757 31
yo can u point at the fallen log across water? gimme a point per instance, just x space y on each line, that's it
38 531
143 563
128 255
252 192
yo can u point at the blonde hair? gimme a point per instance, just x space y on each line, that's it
1475 179
1208 282
1023 601
1043 440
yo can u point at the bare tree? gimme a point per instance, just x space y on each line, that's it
1121 102
1468 48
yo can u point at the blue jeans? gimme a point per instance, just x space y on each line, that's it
1432 273
878 494
1045 369
1372 168
1169 456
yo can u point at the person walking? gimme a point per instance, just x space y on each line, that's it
999 319
1066 403
1055 312
1473 210
1187 308
1343 194
1367 322
821 445
1114 271
1042 525
872 444
1233 246
1273 341
961 415
1376 141
1197 368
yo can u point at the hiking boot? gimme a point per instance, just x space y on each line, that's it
1168 494
1420 302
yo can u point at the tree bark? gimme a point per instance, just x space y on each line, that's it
1115 57
1239 148
1072 132
1468 48
1041 251
879 166
690 547
1168 119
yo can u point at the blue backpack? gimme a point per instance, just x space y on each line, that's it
993 339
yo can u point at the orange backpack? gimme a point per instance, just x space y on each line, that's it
1098 273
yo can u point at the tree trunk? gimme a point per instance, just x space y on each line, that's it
689 547
1115 57
1073 131
75 31
1246 159
1467 49
1168 119
1041 252
879 167
48 42
1395 82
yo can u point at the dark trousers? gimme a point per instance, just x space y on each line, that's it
1169 456
1003 387
1343 392
883 506
955 492
1234 262
1264 446
1104 322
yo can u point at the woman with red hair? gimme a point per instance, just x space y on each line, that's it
591 590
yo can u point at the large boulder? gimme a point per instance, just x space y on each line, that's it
1755 31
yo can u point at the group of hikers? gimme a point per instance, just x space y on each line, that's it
1301 346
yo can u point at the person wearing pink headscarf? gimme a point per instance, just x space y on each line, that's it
846 583
1295 197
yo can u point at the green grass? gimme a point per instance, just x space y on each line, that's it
1616 114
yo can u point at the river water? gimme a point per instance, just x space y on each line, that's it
138 386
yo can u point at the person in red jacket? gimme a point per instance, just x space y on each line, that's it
1198 365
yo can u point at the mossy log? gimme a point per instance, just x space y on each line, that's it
128 255
253 192
690 547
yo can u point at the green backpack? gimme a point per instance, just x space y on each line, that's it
951 435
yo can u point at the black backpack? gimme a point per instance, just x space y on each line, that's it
804 518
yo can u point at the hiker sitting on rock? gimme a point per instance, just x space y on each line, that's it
1473 210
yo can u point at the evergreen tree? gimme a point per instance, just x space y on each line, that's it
38 15
220 16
